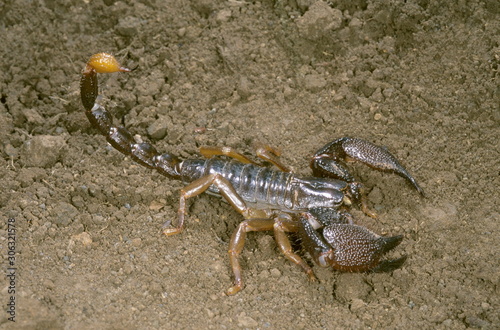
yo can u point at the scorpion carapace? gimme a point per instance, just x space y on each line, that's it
316 207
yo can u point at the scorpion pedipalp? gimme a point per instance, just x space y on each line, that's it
348 247
329 161
357 249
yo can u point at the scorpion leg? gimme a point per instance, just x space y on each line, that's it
263 151
257 220
236 246
270 155
329 161
193 189
225 151
225 189
282 225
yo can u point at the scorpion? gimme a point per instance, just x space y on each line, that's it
269 199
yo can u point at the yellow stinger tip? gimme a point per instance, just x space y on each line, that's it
105 63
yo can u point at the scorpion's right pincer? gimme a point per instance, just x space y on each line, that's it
269 199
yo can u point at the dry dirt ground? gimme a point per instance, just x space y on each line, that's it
419 76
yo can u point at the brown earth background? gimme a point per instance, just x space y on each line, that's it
419 76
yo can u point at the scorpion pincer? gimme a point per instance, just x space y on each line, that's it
315 207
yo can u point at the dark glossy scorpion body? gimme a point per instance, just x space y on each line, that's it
269 199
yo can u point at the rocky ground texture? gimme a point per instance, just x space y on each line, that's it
419 76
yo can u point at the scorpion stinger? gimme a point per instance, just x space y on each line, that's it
269 199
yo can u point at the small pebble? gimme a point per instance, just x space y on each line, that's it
275 273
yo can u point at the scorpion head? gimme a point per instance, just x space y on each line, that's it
313 192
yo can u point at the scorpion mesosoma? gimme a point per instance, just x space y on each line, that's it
269 199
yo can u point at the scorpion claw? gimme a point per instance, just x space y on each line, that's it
357 249
329 161
386 266
389 243
347 247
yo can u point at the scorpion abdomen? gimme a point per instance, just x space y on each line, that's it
255 184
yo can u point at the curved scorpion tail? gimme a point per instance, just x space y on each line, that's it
119 137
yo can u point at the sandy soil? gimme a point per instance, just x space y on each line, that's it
417 76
